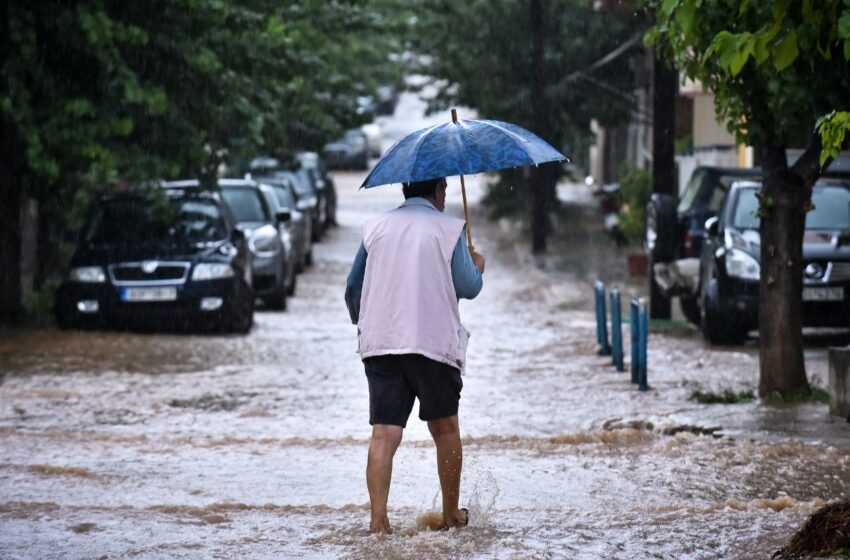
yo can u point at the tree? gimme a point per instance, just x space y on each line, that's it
531 63
94 90
775 69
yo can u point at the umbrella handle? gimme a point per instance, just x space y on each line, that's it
466 215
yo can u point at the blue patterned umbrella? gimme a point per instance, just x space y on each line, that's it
460 147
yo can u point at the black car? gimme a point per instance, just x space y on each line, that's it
674 237
314 195
730 268
167 258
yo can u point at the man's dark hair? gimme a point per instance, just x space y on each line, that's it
425 189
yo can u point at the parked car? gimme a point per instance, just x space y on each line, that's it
730 267
301 222
168 257
387 100
322 181
310 188
374 139
288 231
674 237
254 217
349 152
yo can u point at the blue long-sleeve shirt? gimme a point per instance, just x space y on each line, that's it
466 277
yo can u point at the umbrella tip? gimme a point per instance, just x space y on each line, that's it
454 115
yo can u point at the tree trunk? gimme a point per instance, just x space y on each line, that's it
664 91
10 226
543 178
784 198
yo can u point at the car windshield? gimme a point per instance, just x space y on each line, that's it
831 208
284 197
136 220
706 190
245 203
303 184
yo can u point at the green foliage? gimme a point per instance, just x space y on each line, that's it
39 306
726 397
773 66
635 190
480 56
815 395
833 129
95 89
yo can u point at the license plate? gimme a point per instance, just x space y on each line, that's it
823 294
165 293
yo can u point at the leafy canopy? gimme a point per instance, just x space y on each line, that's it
775 67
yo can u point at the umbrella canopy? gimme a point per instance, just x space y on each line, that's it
461 147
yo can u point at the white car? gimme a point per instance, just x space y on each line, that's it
374 137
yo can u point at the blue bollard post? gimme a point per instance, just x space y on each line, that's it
642 339
616 330
601 320
635 328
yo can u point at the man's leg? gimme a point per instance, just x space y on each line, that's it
379 471
446 434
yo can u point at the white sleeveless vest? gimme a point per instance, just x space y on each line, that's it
408 304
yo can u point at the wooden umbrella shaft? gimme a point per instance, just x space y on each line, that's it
465 205
466 215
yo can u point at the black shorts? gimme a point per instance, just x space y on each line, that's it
395 380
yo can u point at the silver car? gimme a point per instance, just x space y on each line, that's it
300 225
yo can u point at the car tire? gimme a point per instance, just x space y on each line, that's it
308 258
691 310
716 326
660 237
277 300
659 303
239 315
293 282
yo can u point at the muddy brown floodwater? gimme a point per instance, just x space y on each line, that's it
126 445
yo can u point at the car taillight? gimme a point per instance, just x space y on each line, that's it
686 245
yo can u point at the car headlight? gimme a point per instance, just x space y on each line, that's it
89 274
741 265
264 243
212 271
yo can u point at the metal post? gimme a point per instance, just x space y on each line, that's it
635 328
642 336
616 331
601 320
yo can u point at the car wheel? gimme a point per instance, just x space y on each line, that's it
239 315
308 258
660 237
293 281
659 303
691 310
718 327
277 300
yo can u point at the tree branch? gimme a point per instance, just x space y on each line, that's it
808 165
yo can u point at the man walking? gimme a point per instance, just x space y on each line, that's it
402 293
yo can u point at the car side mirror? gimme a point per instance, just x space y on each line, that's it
283 216
237 235
712 226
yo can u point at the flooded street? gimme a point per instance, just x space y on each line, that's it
126 445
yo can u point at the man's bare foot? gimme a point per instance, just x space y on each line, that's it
380 526
459 518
